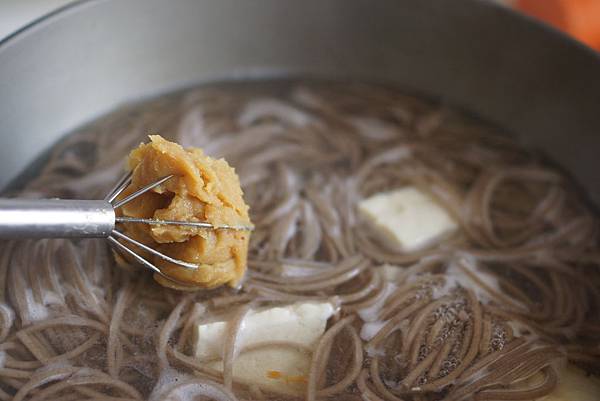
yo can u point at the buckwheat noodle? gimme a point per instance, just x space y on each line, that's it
510 297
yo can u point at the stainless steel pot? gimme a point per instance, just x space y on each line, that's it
89 58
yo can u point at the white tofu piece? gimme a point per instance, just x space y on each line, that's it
407 218
574 385
392 273
276 369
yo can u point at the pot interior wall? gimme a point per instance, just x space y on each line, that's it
89 58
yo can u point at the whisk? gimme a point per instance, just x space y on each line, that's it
60 218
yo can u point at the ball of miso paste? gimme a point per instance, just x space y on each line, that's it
202 189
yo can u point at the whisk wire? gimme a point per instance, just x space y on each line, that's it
141 191
153 251
123 183
138 258
199 224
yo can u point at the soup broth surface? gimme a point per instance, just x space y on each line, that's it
496 305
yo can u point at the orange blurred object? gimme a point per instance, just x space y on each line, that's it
579 18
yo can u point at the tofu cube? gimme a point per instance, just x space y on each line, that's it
275 369
392 273
407 219
574 385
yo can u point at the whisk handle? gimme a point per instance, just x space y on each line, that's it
55 218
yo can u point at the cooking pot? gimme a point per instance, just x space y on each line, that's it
83 60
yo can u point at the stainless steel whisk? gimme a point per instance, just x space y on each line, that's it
60 218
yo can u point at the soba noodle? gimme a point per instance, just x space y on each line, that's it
514 294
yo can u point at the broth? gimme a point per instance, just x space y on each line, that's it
511 295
